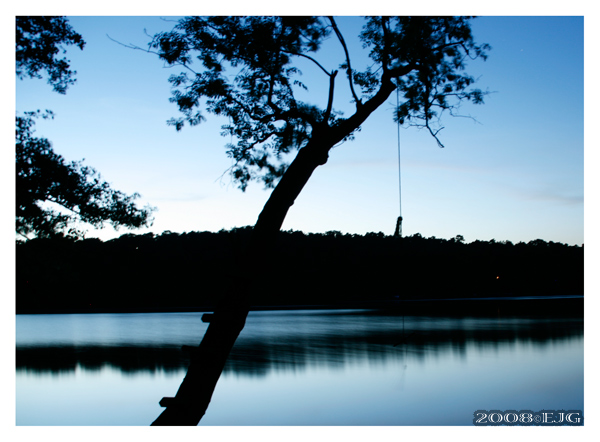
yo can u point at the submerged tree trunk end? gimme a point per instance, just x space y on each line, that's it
207 363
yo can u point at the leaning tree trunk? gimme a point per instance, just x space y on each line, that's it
208 359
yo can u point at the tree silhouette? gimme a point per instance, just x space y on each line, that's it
39 39
42 176
246 74
374 269
242 68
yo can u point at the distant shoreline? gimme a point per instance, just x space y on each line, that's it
190 272
484 305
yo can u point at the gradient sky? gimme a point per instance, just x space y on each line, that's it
516 174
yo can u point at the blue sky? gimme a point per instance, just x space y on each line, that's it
516 174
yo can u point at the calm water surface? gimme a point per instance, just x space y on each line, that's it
320 367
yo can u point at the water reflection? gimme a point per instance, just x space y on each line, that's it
271 341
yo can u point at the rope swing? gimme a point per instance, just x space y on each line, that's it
398 231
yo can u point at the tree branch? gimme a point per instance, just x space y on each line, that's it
23 235
386 39
330 99
310 58
400 71
348 67
434 134
270 103
137 48
349 125
63 204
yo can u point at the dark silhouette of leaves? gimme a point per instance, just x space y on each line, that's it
39 40
243 68
44 177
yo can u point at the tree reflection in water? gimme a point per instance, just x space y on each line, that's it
275 341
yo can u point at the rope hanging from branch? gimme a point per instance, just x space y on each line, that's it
398 231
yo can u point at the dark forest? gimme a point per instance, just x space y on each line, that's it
189 271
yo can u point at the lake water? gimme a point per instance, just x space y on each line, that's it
310 367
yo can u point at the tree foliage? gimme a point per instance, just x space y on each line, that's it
39 40
243 68
45 177
44 180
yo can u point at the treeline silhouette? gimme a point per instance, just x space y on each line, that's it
188 271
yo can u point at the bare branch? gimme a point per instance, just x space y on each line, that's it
447 45
148 51
434 134
309 58
330 99
348 66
